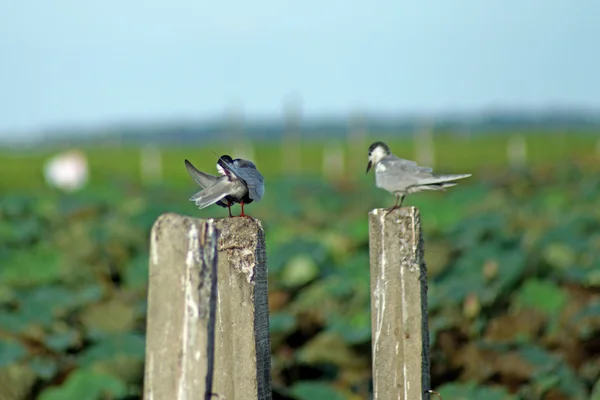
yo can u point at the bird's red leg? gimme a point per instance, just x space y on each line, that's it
389 210
229 208
242 214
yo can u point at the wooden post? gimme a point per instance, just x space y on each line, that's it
243 348
399 322
208 326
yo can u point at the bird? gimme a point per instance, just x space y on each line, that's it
238 182
401 177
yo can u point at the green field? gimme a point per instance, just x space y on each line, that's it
513 256
452 153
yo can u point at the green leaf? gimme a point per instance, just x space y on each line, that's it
108 347
43 304
13 323
111 316
468 275
596 391
471 391
10 352
353 329
281 322
299 270
587 320
314 390
559 255
136 275
280 258
541 295
36 266
45 368
86 385
552 372
61 341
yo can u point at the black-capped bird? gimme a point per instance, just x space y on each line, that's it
401 177
238 182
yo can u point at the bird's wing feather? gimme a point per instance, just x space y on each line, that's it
407 165
246 172
213 193
397 171
201 178
254 182
399 174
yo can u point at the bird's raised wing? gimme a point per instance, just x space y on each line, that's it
201 178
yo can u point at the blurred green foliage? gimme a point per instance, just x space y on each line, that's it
514 284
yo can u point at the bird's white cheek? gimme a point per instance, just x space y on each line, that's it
377 155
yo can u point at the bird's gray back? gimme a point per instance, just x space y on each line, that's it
396 174
246 171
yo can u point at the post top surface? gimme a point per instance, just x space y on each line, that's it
399 212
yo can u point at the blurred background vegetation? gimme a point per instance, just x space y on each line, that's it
101 102
513 255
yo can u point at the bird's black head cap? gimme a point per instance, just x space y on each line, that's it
379 144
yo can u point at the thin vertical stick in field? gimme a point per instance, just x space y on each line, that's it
400 333
424 147
292 138
236 134
207 329
357 140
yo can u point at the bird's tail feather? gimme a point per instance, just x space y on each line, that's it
452 177
437 179
432 186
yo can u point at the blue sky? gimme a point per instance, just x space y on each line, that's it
88 62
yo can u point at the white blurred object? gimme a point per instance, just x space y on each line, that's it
333 161
516 151
67 171
151 164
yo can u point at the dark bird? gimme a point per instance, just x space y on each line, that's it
238 182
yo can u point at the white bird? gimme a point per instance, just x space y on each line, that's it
401 177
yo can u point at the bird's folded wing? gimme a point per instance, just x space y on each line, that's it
253 180
247 173
201 178
408 165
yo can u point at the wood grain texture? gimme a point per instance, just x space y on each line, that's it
208 326
399 318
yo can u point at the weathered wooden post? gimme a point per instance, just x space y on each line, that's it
400 333
208 323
